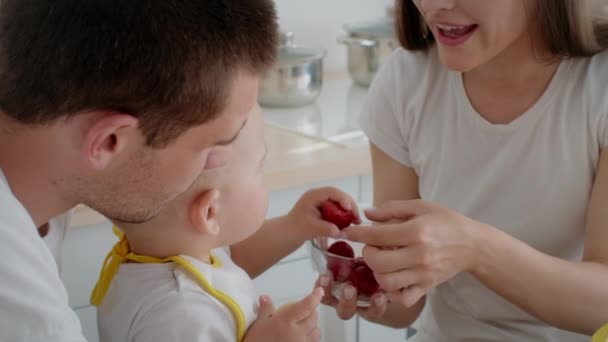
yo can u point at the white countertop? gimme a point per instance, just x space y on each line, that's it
332 117
306 145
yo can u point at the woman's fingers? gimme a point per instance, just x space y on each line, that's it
408 297
347 305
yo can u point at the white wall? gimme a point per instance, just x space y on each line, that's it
318 23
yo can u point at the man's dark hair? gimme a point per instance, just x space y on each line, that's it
170 63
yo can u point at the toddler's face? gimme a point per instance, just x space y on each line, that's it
243 198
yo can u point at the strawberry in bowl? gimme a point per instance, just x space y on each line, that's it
343 260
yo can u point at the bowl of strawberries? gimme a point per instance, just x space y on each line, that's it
343 258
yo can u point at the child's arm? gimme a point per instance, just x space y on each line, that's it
281 236
294 322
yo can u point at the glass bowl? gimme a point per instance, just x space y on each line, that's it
345 270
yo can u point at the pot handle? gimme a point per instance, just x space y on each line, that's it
356 41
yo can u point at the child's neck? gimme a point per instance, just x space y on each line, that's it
164 242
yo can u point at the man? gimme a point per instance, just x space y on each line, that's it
118 105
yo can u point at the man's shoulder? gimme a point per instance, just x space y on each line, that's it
12 213
32 290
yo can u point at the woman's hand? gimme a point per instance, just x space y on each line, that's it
346 305
428 246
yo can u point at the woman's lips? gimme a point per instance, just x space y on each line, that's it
453 35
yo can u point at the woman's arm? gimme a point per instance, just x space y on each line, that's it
393 181
569 295
437 243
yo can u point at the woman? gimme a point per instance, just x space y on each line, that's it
488 136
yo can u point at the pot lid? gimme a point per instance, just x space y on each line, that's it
296 54
379 28
289 53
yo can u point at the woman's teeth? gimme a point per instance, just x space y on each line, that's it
453 31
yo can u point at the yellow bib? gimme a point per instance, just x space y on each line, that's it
601 335
121 252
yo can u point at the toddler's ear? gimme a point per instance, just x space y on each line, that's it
203 212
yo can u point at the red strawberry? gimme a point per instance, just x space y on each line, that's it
334 213
340 268
341 248
362 277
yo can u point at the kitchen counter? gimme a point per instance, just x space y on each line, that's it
296 159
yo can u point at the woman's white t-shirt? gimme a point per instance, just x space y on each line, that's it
531 178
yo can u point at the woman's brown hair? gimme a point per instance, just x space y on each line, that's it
568 29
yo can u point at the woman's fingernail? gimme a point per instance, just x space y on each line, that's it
379 301
324 281
343 235
349 292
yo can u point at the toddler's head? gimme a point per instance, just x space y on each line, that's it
224 206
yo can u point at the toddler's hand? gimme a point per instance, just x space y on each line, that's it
297 322
306 218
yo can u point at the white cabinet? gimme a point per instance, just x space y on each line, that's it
84 252
366 189
336 330
287 281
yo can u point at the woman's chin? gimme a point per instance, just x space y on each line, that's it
460 62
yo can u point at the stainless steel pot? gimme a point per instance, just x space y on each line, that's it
296 78
368 45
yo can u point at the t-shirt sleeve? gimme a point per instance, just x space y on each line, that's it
382 118
603 131
597 92
185 317
603 121
33 301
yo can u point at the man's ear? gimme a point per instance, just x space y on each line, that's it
108 136
204 212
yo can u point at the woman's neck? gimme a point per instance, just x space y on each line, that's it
515 66
508 85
